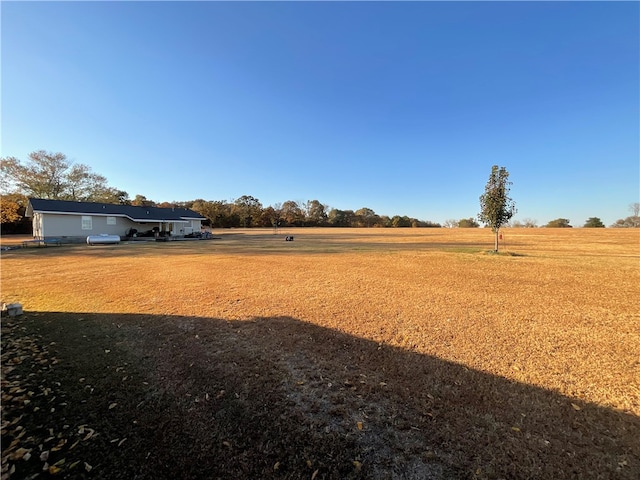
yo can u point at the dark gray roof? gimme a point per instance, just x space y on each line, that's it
139 214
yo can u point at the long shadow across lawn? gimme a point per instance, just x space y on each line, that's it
138 396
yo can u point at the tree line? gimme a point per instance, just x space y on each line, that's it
53 176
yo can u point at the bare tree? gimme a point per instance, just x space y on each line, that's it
450 223
632 221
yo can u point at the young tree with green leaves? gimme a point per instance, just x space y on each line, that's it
496 207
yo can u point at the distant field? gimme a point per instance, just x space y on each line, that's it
557 310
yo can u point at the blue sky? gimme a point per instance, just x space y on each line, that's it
401 107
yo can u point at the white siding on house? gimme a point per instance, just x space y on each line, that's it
60 225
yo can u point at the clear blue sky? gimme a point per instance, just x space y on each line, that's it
399 107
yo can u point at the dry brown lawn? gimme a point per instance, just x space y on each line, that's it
519 365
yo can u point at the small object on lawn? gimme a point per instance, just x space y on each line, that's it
288 238
12 309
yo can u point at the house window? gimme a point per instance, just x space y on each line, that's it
87 223
111 220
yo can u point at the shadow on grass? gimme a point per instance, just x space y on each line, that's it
504 253
182 397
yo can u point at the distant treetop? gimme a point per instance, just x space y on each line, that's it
559 223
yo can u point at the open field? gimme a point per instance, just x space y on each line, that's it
404 353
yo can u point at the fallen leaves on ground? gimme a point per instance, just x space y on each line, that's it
28 448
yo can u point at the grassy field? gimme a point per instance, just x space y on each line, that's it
347 353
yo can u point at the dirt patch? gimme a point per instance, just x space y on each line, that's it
150 396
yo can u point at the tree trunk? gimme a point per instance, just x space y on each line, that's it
496 246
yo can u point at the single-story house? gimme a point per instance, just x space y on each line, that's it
71 221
